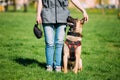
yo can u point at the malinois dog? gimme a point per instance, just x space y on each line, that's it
72 46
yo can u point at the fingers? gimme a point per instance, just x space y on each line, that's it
85 17
39 20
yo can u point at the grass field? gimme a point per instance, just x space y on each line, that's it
22 56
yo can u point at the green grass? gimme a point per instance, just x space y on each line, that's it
22 56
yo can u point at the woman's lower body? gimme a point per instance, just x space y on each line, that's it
54 39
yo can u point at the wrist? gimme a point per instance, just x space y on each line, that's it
84 12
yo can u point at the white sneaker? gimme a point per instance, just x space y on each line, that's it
58 68
49 68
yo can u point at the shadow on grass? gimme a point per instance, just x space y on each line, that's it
27 62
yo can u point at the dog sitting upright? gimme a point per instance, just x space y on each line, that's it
72 46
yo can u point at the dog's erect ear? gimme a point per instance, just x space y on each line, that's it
82 21
71 21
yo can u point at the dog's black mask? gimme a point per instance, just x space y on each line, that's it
71 22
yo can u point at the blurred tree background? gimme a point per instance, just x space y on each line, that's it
18 4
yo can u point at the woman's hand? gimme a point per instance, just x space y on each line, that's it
85 16
39 19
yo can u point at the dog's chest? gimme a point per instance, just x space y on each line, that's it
78 28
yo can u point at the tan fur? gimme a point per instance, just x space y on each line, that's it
78 62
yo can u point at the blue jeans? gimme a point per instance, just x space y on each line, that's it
54 39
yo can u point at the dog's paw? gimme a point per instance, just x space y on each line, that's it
75 71
80 69
65 71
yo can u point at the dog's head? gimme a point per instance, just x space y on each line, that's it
75 24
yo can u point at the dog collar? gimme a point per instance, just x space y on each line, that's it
75 34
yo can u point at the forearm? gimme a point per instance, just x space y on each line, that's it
39 7
78 5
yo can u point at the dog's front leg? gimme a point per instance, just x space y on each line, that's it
80 60
75 69
80 65
77 55
65 61
65 58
